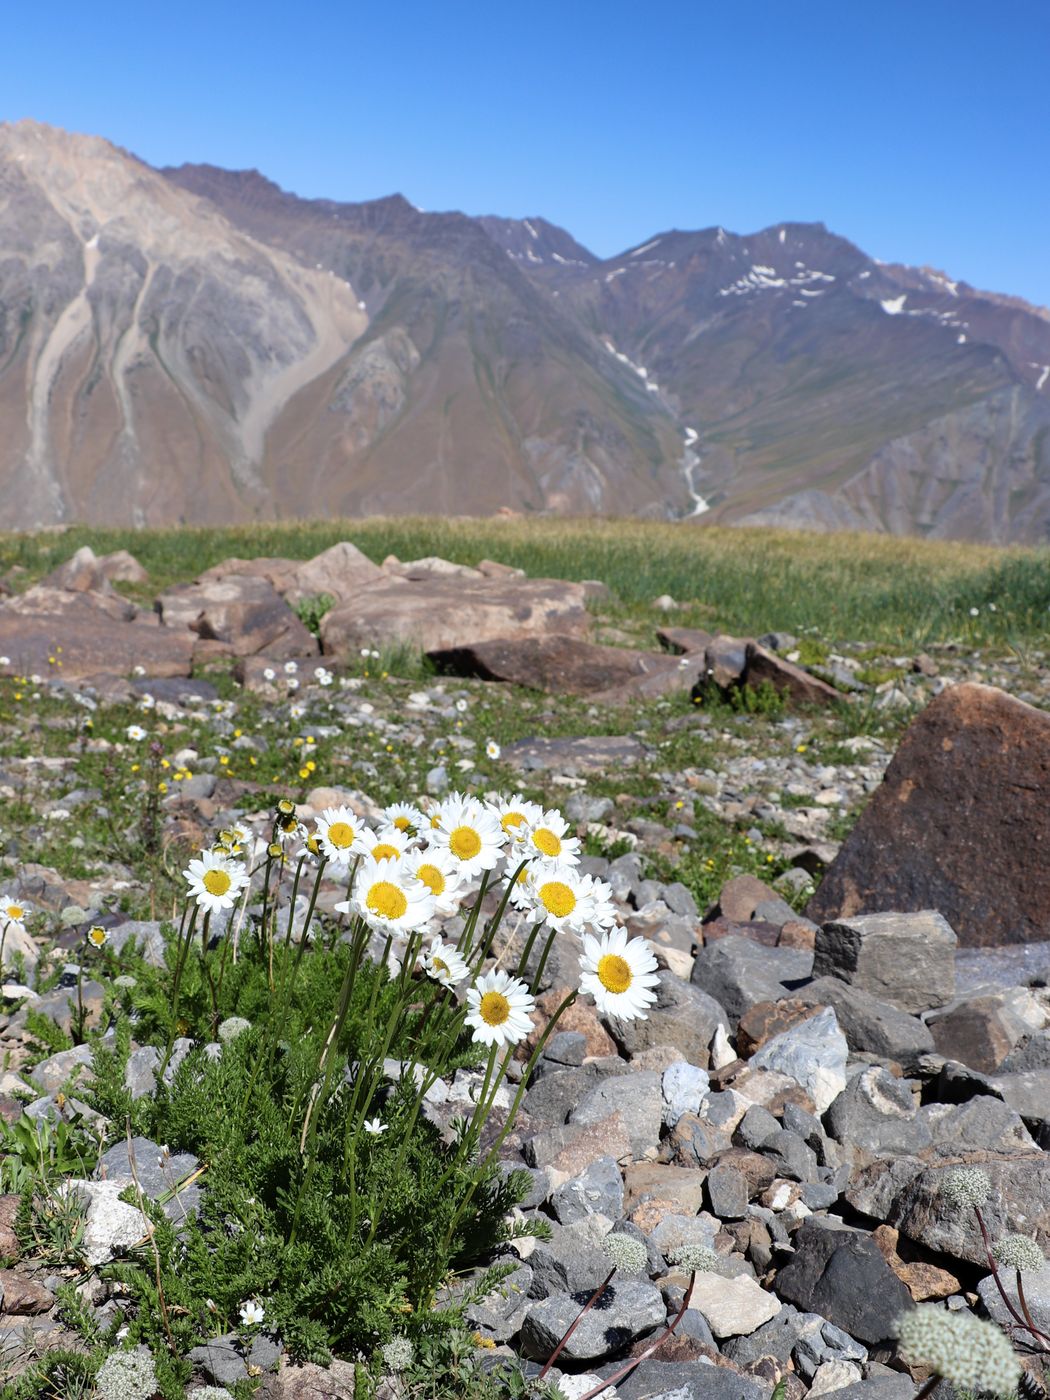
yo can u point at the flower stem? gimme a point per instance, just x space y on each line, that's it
655 1346
994 1266
579 1318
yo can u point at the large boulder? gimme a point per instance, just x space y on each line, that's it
72 634
437 611
959 824
905 959
839 1272
565 664
245 613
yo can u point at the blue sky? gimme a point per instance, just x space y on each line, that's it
920 129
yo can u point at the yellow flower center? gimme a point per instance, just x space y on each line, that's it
97 935
494 1009
464 843
402 823
512 819
216 881
557 898
383 851
386 900
435 821
432 878
614 973
15 911
440 965
546 841
341 835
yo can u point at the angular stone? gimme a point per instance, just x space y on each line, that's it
626 1310
1036 1284
659 1181
981 1030
73 1066
727 1192
870 1025
569 1147
737 973
876 1117
225 1361
1028 1093
924 1281
1019 1203
596 1191
813 1054
433 612
733 1306
740 897
684 1088
309 1382
905 959
601 754
766 1019
571 1261
21 1296
838 1272
798 685
983 1123
654 1379
958 824
682 1016
247 614
636 1098
567 665
111 1225
341 571
44 627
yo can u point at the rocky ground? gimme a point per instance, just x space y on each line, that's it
808 1075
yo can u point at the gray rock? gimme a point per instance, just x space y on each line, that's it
688 1380
790 1156
733 1306
876 1117
839 1272
777 1338
982 1123
566 1048
158 1175
499 1314
145 933
225 1362
1028 1092
51 1074
570 1261
1031 1052
597 1191
981 1028
683 1016
552 1097
1037 1294
727 1193
870 1025
684 1087
1019 1203
200 785
140 1072
625 1311
875 1189
755 1128
822 1344
813 1054
738 972
637 1098
905 959
889 1387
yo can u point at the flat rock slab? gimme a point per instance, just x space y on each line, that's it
244 613
575 756
625 1310
733 1307
48 632
958 825
563 664
905 959
437 611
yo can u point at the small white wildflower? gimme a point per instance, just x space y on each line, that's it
210 1392
966 1186
135 732
126 1375
290 668
461 706
975 612
375 1127
292 682
626 1253
1019 1252
965 1350
252 1313
398 1354
138 670
232 1027
492 750
269 674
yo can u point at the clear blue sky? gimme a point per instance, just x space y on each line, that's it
918 128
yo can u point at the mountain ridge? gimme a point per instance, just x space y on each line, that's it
193 343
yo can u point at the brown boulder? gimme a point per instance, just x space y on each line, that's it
959 824
563 664
436 611
341 572
792 681
23 1297
244 613
83 573
684 639
765 1019
49 631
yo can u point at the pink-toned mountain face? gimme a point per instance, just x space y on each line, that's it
196 344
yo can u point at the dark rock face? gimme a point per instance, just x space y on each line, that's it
959 824
840 1273
54 632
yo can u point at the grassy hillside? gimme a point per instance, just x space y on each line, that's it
904 592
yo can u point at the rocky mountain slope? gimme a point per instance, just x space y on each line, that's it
196 344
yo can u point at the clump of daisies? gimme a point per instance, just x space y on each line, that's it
969 1352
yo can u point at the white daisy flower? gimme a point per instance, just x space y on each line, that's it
5 661
252 1313
443 877
13 913
557 895
269 674
337 829
492 750
135 732
292 682
296 711
405 817
471 834
517 811
620 973
388 898
290 668
442 962
462 706
375 1126
388 843
215 880
147 702
97 936
548 839
499 1008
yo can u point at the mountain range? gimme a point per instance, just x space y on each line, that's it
196 345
